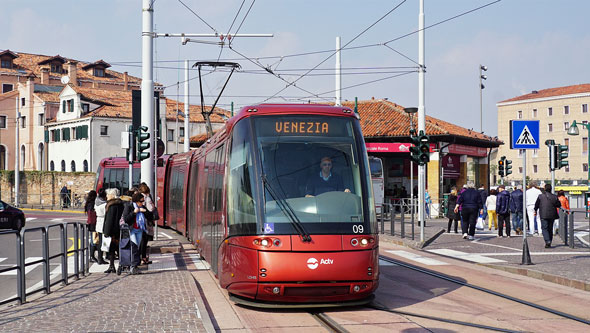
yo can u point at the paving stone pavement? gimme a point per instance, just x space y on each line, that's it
160 301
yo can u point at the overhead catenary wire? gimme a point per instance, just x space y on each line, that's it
197 15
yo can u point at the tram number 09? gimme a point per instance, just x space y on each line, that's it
358 229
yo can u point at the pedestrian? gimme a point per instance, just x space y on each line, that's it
427 202
451 203
484 195
100 208
565 205
490 205
64 195
148 235
516 209
463 189
503 211
531 198
91 222
136 216
114 210
472 206
546 205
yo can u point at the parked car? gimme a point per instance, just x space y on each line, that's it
11 217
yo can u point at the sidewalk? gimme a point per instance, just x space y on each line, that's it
559 264
164 298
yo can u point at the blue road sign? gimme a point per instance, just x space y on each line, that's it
524 134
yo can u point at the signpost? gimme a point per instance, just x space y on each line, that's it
524 134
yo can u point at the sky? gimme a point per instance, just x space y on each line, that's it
526 45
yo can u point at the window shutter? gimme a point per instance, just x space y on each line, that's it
63 106
57 132
72 105
46 136
85 132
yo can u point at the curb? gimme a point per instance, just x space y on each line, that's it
51 210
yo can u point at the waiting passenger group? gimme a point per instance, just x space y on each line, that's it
106 211
499 206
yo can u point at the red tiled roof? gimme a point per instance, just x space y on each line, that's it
382 118
194 112
559 91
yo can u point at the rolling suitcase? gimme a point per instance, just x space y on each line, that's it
128 251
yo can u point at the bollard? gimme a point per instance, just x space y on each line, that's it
20 257
76 256
382 219
392 220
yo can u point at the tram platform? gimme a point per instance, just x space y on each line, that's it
558 264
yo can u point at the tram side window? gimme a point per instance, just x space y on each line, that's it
177 188
240 202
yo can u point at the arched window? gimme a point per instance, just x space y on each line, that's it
40 157
63 165
73 166
22 157
51 166
85 166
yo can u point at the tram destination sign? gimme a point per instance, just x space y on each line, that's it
303 126
524 134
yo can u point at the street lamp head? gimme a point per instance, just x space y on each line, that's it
484 77
411 110
482 86
573 130
484 68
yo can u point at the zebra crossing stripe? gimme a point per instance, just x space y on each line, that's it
418 258
473 257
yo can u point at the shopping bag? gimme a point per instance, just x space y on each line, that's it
479 224
106 243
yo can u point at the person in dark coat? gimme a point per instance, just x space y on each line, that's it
547 204
453 217
484 196
503 210
516 209
114 211
470 201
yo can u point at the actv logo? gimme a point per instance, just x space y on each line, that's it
313 263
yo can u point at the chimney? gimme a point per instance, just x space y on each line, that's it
44 75
125 80
73 72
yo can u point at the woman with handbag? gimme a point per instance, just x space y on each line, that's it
148 235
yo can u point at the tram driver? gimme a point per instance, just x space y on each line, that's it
325 181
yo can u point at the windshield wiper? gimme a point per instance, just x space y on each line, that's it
287 210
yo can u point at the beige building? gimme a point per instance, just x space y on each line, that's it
555 109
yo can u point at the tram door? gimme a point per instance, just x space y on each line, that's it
217 206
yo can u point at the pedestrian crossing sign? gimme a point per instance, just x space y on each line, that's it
524 134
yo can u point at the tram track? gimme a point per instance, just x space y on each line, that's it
328 322
482 289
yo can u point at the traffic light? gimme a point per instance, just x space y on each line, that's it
424 148
508 167
561 153
501 164
143 143
415 149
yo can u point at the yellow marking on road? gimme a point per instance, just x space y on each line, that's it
71 248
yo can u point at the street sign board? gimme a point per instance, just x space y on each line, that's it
524 134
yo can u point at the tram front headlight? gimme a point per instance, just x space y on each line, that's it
364 242
265 242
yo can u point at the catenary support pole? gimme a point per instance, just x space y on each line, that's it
147 87
17 157
421 118
186 108
338 101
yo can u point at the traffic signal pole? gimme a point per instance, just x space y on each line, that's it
421 117
147 87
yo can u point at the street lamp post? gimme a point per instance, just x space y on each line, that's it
573 130
481 87
410 111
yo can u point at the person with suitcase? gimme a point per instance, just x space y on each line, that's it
135 217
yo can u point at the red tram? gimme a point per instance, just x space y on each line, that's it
244 200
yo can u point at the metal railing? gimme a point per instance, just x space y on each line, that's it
567 230
81 258
402 212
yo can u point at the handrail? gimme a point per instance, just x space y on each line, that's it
21 265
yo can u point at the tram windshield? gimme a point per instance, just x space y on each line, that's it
312 171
